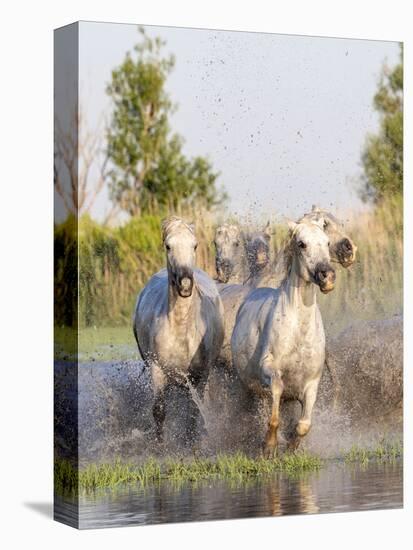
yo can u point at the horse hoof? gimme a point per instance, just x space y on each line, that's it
303 427
293 444
269 452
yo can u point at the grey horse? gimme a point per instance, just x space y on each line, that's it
257 248
257 253
342 249
178 322
239 254
230 257
271 274
278 342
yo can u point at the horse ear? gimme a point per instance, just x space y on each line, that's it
315 208
320 222
291 225
267 230
192 227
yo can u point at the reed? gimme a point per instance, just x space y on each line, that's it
384 452
115 263
373 287
228 467
235 467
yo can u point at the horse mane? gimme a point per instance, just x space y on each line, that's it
171 223
277 271
281 267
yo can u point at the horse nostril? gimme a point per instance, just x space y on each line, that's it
347 245
186 282
226 266
324 273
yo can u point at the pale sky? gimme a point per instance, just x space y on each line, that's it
282 118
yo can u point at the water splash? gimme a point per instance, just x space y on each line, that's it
115 404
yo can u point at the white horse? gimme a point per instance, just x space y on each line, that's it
230 255
257 255
278 342
342 249
240 255
178 322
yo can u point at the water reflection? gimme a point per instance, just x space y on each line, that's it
336 488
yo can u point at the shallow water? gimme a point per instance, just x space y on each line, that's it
337 487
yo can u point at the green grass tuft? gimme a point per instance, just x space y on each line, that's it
232 468
229 467
384 452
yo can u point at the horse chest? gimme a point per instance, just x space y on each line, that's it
299 356
179 346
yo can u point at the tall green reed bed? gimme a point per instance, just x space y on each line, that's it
373 287
228 467
116 262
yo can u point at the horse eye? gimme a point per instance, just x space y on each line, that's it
196 246
301 244
325 224
236 243
168 247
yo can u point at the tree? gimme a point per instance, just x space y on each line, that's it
149 168
383 154
176 181
78 177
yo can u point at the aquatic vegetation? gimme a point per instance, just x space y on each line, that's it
384 452
228 467
236 467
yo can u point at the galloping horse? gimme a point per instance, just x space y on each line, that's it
240 255
278 342
257 256
178 322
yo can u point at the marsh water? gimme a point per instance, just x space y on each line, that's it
114 403
337 487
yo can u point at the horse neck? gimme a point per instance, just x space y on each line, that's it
263 277
299 294
240 273
273 274
237 278
179 309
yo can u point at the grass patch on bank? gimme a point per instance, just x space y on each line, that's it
228 467
384 452
95 344
238 467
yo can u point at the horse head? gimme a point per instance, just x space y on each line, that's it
342 248
180 245
229 251
310 248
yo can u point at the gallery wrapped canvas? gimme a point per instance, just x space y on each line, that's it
228 272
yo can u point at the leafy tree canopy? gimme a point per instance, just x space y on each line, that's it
383 154
149 167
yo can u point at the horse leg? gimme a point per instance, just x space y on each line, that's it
196 389
158 408
270 444
304 424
